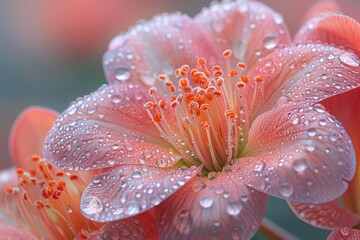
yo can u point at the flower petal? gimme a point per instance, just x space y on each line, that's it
346 108
122 192
344 233
251 29
325 215
309 72
15 233
298 152
107 128
28 134
329 28
139 227
158 46
212 209
321 7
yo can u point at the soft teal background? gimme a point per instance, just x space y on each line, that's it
32 75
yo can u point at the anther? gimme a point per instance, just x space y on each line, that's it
35 158
258 79
244 78
230 114
227 53
39 204
152 90
157 117
202 62
20 171
73 177
242 65
161 77
240 85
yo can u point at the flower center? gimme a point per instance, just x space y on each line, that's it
44 197
211 112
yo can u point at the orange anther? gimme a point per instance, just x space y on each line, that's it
230 114
56 194
204 106
220 82
245 79
173 104
177 71
25 196
241 65
20 171
60 173
185 68
73 177
184 82
147 105
35 158
205 124
157 117
227 53
240 85
39 204
162 77
216 68
193 72
152 90
217 74
208 96
33 180
9 189
233 73
32 172
202 62
162 103
259 79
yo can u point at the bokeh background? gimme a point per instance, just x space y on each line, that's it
51 53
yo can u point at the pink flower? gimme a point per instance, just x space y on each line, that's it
204 117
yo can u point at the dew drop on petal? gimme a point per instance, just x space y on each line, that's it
270 42
259 166
233 208
132 208
122 74
300 165
183 221
345 231
91 205
286 190
311 132
349 59
206 202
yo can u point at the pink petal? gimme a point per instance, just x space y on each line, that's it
330 29
298 152
346 108
321 7
28 134
212 209
140 227
107 128
325 215
309 72
121 192
251 29
14 233
344 233
158 46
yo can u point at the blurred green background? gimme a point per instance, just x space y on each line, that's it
51 53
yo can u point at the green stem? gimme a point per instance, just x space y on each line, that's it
275 232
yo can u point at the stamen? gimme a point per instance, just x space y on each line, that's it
211 112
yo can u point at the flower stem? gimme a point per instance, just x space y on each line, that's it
275 232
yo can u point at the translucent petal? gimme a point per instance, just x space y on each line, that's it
221 208
298 152
28 134
107 128
158 46
325 215
251 29
122 192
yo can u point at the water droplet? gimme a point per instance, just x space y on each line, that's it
132 208
136 174
161 162
123 74
116 99
310 146
300 165
259 166
183 221
233 208
155 200
333 137
206 202
198 186
324 76
311 132
235 234
286 190
91 205
345 231
68 209
270 42
349 59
